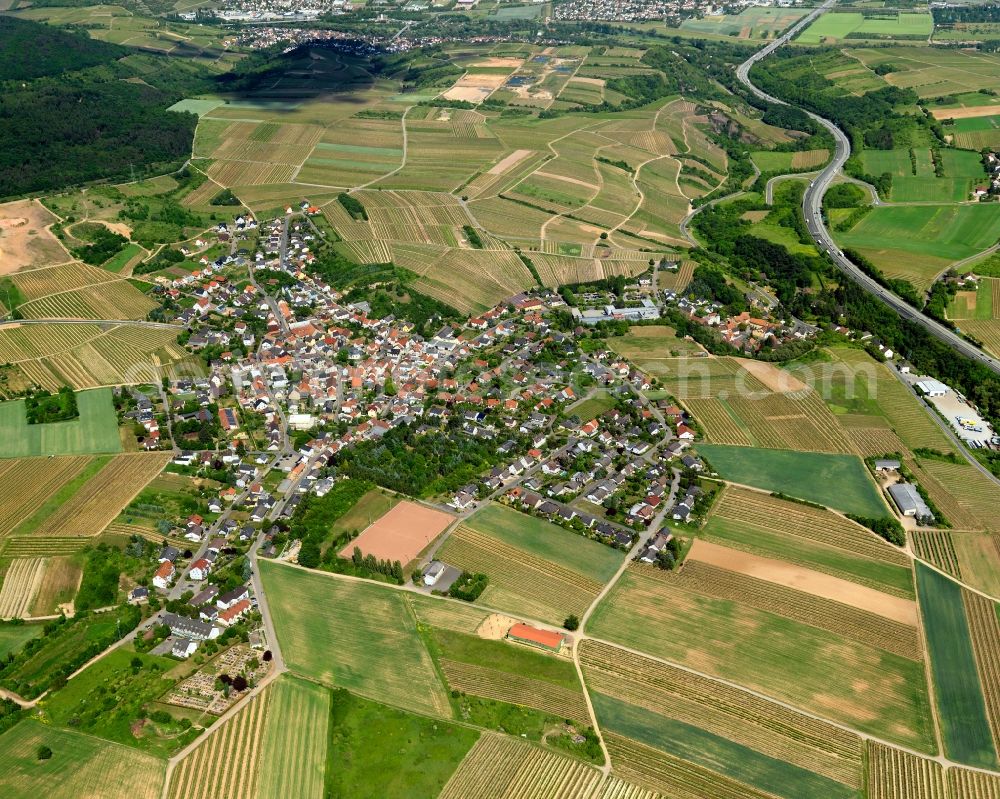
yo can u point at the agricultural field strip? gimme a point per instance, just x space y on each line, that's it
750 548
984 629
499 767
859 625
208 771
937 548
47 280
515 689
96 504
81 766
367 642
895 774
966 784
295 739
954 670
615 788
679 779
30 342
824 526
26 483
973 491
957 515
724 709
20 586
496 551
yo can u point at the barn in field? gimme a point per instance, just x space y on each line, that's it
543 639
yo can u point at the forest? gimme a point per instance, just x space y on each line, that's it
68 116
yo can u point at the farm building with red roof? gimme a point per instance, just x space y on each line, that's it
526 634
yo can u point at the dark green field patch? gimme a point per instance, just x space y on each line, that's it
377 751
840 482
961 707
714 752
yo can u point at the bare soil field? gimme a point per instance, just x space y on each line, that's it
802 579
966 113
771 376
508 162
24 238
495 626
474 88
499 61
401 533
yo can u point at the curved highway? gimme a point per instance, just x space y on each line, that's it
812 205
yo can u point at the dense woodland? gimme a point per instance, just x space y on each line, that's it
68 114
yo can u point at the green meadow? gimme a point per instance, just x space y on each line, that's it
840 482
96 430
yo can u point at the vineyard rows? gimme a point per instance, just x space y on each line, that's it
937 548
27 482
771 513
508 567
515 689
112 300
226 763
895 774
505 768
37 341
670 775
293 759
36 283
984 629
505 218
614 788
973 490
719 425
20 585
905 412
84 356
966 784
782 422
263 152
96 504
959 517
873 442
724 710
249 173
459 617
39 546
859 625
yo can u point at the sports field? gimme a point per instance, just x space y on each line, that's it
81 765
351 634
840 482
95 431
961 706
831 27
400 534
